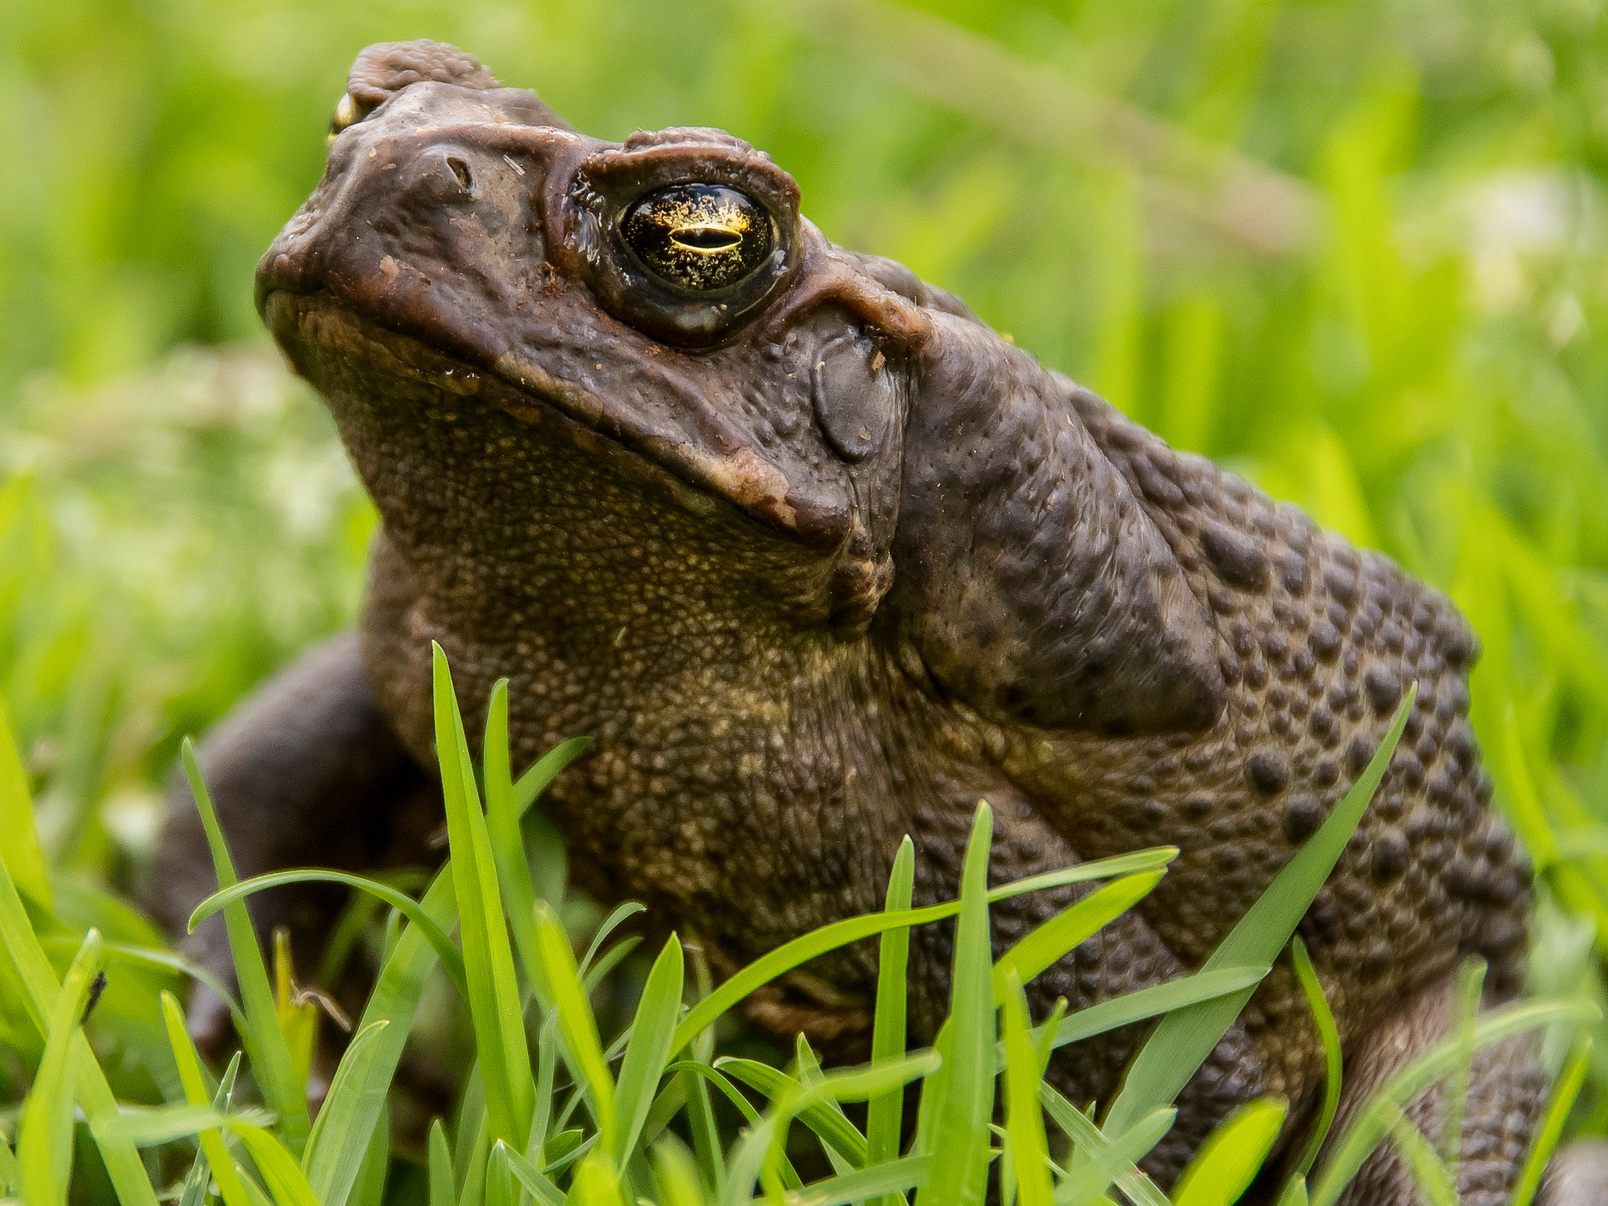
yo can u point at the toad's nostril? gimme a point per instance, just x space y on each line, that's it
460 170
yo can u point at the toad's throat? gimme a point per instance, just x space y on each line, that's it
315 326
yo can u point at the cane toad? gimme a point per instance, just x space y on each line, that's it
819 560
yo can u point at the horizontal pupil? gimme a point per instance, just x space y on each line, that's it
706 238
697 238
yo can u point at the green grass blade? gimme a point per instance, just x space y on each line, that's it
885 1112
1044 1036
1571 1079
265 1044
536 1183
546 1068
507 845
761 1153
167 961
1114 1160
806 1064
669 1103
1435 1181
451 959
700 1111
332 1165
495 1007
442 1183
881 1181
595 972
1027 1150
596 1183
10 1173
1333 1058
529 786
276 1165
841 933
335 1152
788 956
298 1018
351 1099
963 1087
821 1115
369 1188
1044 945
473 1148
696 1077
1352 1147
1232 1155
1465 1005
500 1188
618 916
40 992
564 1148
45 1134
19 839
1108 1161
648 1052
808 1070
193 1079
866 1080
577 1027
1183 1039
676 1175
1149 1002
155 1125
1151 858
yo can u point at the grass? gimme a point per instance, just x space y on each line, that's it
550 1114
1348 247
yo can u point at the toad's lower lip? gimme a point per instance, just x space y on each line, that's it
526 391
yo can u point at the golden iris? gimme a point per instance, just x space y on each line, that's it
348 112
698 238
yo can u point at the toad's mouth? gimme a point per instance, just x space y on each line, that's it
316 327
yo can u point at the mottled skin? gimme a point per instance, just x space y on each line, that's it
820 561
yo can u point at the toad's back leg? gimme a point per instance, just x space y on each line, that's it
306 772
1506 1094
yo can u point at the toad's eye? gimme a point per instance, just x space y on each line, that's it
698 238
348 112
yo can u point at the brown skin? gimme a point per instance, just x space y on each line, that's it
820 560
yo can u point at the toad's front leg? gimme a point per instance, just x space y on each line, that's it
307 772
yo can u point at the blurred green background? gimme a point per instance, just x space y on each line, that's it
1353 249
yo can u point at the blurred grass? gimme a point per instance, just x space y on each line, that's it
1353 248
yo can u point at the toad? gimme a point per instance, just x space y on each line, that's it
821 560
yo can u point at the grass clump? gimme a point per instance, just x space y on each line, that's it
561 1107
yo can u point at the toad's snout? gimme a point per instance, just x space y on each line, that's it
410 221
387 204
437 179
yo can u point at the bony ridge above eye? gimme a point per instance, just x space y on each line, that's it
696 237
